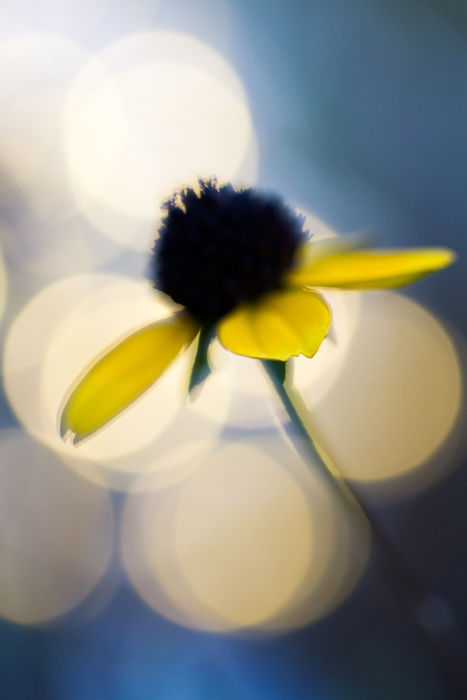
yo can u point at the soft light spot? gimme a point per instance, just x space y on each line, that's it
397 397
56 533
147 114
35 70
71 323
251 540
46 238
34 61
66 16
3 285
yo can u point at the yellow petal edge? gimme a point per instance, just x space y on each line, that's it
123 374
279 325
371 269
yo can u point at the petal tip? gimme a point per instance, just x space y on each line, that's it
67 434
77 439
439 258
64 429
450 257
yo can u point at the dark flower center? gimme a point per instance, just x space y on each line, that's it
218 248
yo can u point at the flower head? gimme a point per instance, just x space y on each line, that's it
239 264
218 248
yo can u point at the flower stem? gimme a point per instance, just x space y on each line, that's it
201 368
429 613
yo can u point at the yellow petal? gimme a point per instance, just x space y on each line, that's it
280 325
370 269
315 249
123 373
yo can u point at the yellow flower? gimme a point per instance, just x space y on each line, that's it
241 265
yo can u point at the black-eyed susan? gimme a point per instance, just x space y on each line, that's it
238 263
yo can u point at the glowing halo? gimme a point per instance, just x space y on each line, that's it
397 397
3 285
74 320
250 541
147 114
56 533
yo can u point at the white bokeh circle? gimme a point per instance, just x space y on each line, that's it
398 396
56 532
147 114
252 540
56 336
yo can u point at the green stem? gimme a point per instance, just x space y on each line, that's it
201 368
429 613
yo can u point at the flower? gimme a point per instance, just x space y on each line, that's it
240 264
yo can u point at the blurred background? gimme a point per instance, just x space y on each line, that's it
187 552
